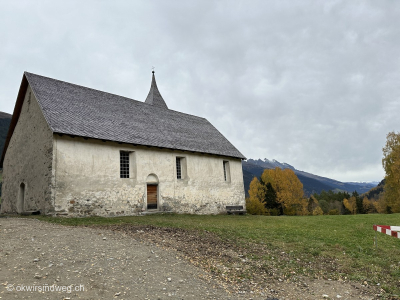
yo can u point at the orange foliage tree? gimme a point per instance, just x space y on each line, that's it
289 190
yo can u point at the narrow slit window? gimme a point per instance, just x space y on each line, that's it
124 164
178 168
225 170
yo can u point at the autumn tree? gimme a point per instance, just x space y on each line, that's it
368 206
391 164
312 204
288 188
317 211
351 204
255 203
380 205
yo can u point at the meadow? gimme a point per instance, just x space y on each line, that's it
337 247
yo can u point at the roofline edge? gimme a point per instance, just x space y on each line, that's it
15 116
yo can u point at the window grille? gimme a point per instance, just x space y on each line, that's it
124 164
178 168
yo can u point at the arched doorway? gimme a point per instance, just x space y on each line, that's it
21 198
152 191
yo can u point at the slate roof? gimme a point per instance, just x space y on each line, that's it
80 111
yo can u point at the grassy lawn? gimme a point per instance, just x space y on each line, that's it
345 241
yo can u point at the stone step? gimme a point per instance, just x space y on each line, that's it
154 212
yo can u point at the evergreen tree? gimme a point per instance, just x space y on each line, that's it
270 199
359 202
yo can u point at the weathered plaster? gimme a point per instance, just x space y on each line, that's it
28 160
87 181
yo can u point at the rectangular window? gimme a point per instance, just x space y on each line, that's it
124 164
178 168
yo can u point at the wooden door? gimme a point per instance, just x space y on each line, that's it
151 196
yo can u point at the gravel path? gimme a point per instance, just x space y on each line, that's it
107 264
112 265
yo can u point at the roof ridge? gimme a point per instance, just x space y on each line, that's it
138 101
82 86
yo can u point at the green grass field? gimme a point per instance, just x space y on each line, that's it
345 240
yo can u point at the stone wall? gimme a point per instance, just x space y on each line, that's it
87 179
28 162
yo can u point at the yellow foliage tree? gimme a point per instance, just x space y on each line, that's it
255 207
255 202
381 205
368 206
351 204
312 204
317 211
288 188
256 190
391 164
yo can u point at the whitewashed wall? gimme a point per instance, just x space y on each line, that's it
87 179
28 160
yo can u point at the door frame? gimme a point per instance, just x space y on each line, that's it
157 203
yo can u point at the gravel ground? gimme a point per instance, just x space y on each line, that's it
116 264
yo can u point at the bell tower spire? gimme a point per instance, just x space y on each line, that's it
154 97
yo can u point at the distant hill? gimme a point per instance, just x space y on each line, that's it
375 192
311 183
5 120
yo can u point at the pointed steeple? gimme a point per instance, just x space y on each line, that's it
154 97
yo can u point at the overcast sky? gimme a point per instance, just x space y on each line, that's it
315 84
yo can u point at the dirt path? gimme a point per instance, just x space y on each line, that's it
110 264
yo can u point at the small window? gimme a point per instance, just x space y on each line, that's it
178 168
227 172
124 164
181 165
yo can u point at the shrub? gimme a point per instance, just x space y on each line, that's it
317 211
274 212
255 207
334 212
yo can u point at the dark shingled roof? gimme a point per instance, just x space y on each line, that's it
76 110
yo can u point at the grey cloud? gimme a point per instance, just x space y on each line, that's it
311 83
